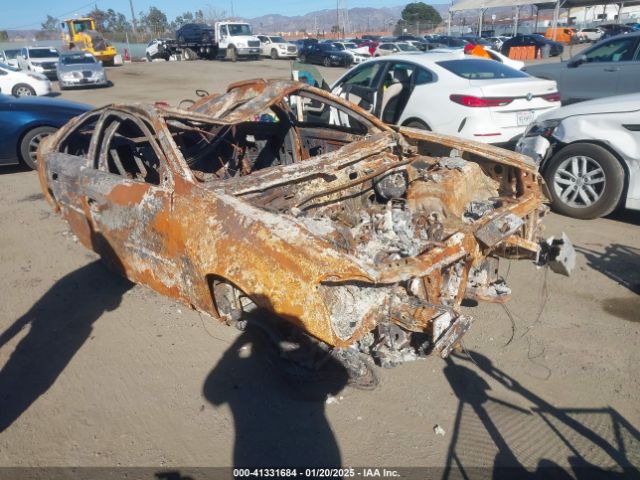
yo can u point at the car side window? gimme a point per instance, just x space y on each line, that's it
125 149
618 50
422 76
364 76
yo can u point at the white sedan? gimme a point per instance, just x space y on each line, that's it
21 84
448 93
589 155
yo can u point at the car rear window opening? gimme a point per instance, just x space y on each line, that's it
480 69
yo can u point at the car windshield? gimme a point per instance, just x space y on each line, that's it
43 52
11 54
4 66
350 45
277 40
328 47
339 46
479 69
239 29
405 47
76 59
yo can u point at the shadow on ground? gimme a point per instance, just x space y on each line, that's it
621 263
59 323
279 419
493 438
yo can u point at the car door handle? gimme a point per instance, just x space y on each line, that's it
611 69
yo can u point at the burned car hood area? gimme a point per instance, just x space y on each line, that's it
281 196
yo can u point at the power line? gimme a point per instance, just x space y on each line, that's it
55 16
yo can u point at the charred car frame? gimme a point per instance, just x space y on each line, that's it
282 196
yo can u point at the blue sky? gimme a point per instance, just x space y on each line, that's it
26 14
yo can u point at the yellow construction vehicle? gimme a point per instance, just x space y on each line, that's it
80 33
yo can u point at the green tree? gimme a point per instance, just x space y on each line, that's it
50 24
154 21
417 16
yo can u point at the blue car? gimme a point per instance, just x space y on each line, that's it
25 121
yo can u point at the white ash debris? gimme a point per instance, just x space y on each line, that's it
477 209
438 430
452 163
389 235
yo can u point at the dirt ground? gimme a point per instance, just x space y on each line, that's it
95 371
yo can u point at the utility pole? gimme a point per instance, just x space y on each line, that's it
133 17
337 17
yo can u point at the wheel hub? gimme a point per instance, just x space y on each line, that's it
579 181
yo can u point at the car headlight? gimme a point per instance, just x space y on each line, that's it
241 44
542 129
282 47
69 75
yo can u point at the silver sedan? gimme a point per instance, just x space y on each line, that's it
80 69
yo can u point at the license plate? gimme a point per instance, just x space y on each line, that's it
524 118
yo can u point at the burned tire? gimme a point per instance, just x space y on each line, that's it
30 142
23 90
585 181
274 54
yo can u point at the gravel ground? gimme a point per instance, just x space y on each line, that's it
95 371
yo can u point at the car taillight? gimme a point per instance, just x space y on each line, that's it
471 101
552 97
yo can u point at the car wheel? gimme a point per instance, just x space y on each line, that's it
303 59
30 142
232 54
148 57
23 90
274 54
417 124
189 54
585 181
326 62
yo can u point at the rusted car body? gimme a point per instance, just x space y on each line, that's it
280 195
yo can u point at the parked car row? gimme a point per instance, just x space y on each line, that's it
29 71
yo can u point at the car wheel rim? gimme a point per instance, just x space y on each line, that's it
33 145
23 92
579 182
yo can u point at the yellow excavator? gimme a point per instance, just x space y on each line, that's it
80 33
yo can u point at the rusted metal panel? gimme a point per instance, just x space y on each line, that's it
347 234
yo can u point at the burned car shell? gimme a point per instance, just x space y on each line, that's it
309 240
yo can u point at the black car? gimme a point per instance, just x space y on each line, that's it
548 48
326 54
195 33
475 40
452 42
304 45
418 42
613 29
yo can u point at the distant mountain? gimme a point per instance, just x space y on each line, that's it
359 20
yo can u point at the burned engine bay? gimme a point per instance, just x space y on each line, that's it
430 220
